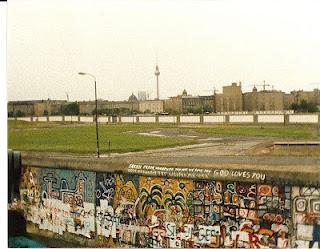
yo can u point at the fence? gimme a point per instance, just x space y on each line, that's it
193 119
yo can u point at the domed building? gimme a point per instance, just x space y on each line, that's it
184 93
133 98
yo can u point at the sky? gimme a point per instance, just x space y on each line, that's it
198 44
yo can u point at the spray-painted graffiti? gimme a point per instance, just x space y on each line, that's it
143 211
306 216
65 200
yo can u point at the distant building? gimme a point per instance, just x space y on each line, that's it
297 96
36 107
142 96
192 104
173 104
87 107
151 106
263 100
23 107
230 100
187 103
132 98
208 103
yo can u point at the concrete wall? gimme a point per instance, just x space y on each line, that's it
88 119
147 119
112 209
103 119
270 118
24 119
189 119
241 118
167 119
71 118
299 118
232 118
214 119
128 119
42 119
55 118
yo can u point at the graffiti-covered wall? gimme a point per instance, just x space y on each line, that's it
60 200
142 211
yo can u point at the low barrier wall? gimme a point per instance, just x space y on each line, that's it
55 118
128 119
214 119
70 118
175 207
308 118
189 119
167 119
103 119
86 119
230 118
271 118
147 119
241 118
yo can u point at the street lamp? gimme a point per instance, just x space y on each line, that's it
95 91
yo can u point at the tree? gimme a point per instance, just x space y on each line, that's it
20 114
171 111
188 110
70 109
207 109
304 106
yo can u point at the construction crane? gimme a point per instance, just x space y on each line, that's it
263 85
317 84
67 97
214 91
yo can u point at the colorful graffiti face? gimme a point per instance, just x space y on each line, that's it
140 211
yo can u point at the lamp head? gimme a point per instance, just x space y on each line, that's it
81 73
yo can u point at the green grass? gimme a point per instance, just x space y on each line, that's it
277 131
75 138
82 139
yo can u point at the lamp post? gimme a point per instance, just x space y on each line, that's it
95 91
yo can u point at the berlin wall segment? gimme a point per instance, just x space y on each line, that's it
153 211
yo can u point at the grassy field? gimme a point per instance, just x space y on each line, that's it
269 130
80 138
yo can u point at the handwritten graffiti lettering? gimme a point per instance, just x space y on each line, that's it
193 172
207 232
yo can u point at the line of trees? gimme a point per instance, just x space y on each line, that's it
304 106
114 111
70 109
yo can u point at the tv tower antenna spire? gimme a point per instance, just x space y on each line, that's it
157 73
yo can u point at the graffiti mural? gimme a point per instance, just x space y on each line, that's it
30 192
306 216
119 210
116 197
60 200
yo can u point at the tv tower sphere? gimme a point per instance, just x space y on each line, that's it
157 72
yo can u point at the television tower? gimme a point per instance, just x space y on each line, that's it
157 73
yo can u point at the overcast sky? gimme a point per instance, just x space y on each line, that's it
200 44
